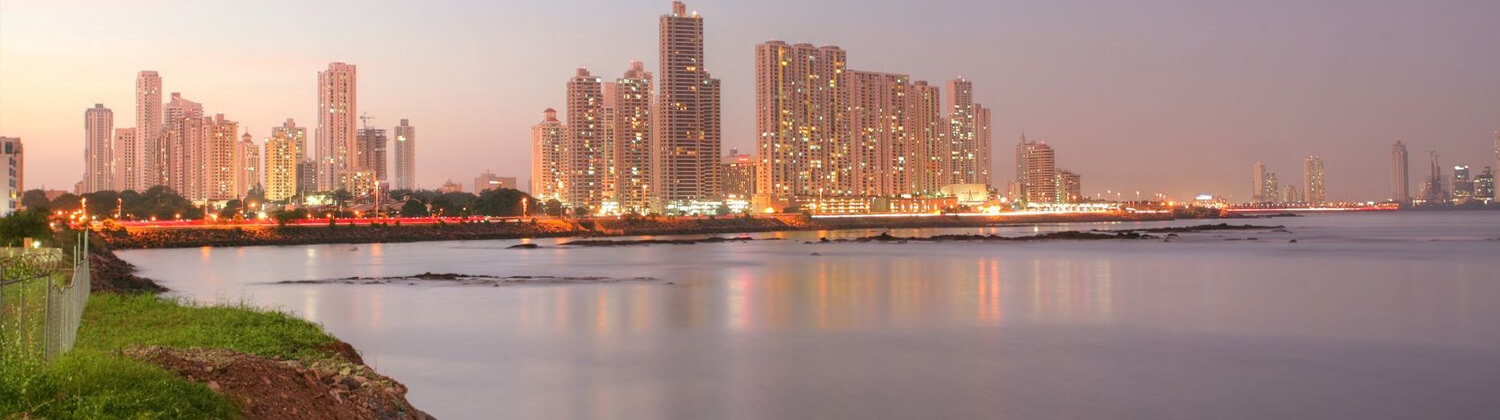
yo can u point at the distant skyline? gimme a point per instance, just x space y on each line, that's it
1158 96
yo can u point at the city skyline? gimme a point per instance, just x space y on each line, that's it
1103 132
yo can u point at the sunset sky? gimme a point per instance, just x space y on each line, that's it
1174 96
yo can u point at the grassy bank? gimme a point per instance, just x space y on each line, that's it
97 380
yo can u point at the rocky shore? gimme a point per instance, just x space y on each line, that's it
229 236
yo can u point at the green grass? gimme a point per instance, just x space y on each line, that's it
95 381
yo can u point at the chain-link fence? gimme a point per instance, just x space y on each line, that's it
43 292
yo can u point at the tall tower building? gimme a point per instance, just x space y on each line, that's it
220 172
1270 189
1400 175
633 141
1496 195
296 135
1432 189
881 155
965 147
247 166
548 142
1312 181
1039 182
406 156
800 114
1259 193
144 158
183 142
369 151
982 141
98 152
926 133
688 142
584 162
124 140
282 156
335 135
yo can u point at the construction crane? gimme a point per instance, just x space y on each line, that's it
364 119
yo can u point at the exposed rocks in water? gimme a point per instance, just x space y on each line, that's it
454 279
712 240
524 246
1202 228
109 273
280 389
1064 235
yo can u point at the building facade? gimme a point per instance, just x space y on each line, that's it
406 156
489 181
369 151
281 156
335 136
1400 174
881 154
124 141
688 139
800 106
248 175
1312 181
548 140
632 144
1071 185
183 142
220 173
13 169
584 163
1038 177
98 149
142 162
739 176
927 133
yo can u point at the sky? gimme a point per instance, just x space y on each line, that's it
1173 96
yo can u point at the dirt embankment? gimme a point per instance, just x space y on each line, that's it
272 389
366 233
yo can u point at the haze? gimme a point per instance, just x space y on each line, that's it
1173 96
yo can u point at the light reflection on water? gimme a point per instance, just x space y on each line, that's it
1365 317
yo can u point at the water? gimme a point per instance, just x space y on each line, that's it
1368 316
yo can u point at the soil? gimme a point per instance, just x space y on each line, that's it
286 389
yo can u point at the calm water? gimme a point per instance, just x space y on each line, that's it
1367 316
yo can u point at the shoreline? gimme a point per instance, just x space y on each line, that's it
237 236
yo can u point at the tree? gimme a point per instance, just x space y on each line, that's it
30 223
231 208
35 199
341 197
503 202
103 203
581 211
553 208
414 208
723 210
66 202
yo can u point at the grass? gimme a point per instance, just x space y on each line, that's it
95 381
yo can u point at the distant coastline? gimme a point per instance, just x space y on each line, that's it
367 232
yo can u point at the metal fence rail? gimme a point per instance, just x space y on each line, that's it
42 298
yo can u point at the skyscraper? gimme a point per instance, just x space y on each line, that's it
1496 194
296 135
124 141
182 140
800 103
98 152
584 161
877 125
1039 176
1259 193
632 139
1271 189
220 172
247 166
406 156
143 160
1463 184
1312 181
926 133
1400 178
688 143
982 146
1433 191
548 140
281 156
967 151
337 111
370 144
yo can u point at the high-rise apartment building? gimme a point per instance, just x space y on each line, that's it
926 133
688 143
124 141
1293 195
98 152
307 177
296 135
182 137
584 161
1433 189
633 139
982 153
966 148
406 156
143 160
247 158
739 176
548 143
1495 194
1400 175
1071 186
13 174
369 151
282 157
1312 181
1039 177
1271 189
800 102
220 171
335 136
1259 193
881 156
